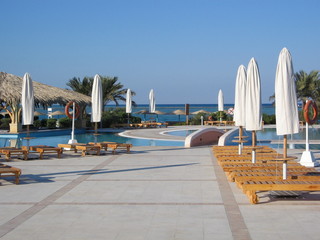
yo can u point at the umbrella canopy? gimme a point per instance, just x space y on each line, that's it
179 112
239 116
96 99
152 106
159 113
200 111
36 113
56 113
27 100
253 98
285 96
128 102
220 100
142 112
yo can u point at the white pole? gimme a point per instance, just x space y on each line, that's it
307 137
72 140
73 115
284 172
240 149
201 120
253 156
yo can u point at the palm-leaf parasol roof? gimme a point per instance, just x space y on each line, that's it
45 95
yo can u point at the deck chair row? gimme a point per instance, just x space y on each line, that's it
266 175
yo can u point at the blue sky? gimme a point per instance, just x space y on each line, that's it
186 50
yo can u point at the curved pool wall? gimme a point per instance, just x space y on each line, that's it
205 136
227 138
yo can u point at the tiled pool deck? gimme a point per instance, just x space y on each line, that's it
160 193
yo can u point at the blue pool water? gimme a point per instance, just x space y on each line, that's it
267 134
182 133
85 138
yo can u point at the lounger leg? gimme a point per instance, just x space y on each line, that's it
253 198
41 155
8 157
128 149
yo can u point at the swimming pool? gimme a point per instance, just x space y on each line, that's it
182 133
85 138
265 137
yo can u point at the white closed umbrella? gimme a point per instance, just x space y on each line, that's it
287 119
27 100
128 104
27 103
96 99
97 102
152 102
239 116
253 103
220 102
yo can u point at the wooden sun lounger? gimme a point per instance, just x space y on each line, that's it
42 149
102 145
70 146
88 148
245 166
260 171
251 187
241 178
6 170
116 146
9 151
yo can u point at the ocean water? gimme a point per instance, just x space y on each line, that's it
167 109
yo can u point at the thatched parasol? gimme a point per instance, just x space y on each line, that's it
11 87
45 95
200 111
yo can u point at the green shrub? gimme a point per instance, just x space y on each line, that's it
269 119
51 123
196 119
37 123
116 116
43 123
65 122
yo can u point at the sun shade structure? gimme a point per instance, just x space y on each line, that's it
44 95
96 99
27 100
200 111
152 102
287 119
239 116
253 103
285 96
253 98
220 100
128 102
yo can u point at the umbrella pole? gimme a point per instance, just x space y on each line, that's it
28 136
95 131
284 165
128 118
240 138
254 136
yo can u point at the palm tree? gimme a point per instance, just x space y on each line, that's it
84 86
308 86
112 90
